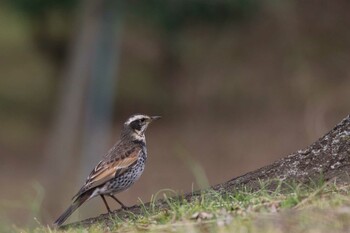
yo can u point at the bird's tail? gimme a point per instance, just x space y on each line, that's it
75 205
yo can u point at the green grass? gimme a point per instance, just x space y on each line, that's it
317 207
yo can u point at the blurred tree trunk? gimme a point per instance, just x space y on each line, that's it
101 90
85 105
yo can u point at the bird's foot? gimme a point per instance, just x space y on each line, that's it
124 207
109 212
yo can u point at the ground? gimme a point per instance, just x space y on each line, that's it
305 191
292 207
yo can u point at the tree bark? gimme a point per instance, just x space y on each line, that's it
328 157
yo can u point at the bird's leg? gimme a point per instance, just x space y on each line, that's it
104 201
120 203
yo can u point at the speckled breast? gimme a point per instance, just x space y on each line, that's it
124 181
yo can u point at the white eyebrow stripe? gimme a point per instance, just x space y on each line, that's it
133 118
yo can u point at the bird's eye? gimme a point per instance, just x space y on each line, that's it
142 120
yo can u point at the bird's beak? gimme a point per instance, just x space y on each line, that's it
155 118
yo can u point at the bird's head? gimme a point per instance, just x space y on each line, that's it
137 125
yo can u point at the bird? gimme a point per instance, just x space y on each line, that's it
120 167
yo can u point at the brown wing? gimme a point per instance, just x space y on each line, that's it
105 171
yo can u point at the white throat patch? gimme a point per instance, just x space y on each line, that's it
139 137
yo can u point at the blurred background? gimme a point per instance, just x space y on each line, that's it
239 84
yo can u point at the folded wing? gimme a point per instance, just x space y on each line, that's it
107 170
